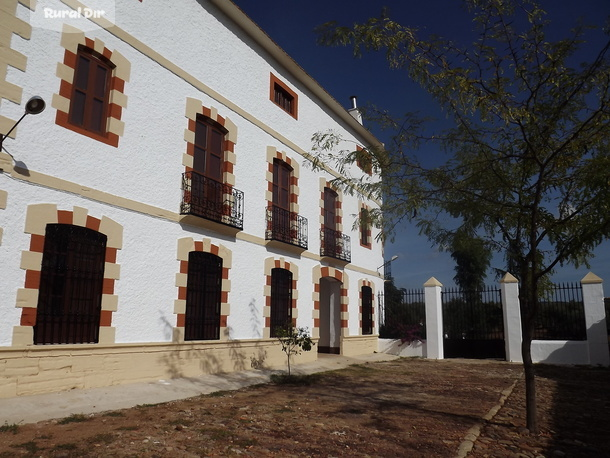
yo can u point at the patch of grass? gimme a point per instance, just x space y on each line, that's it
144 406
114 413
31 447
104 438
6 428
218 394
363 369
128 428
74 418
68 446
292 379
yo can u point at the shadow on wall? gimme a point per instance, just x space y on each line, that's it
208 354
255 319
405 350
591 351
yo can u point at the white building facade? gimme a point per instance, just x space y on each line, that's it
160 217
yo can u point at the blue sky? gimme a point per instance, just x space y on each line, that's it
291 23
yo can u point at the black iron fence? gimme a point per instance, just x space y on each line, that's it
212 200
561 314
473 324
402 315
286 226
472 314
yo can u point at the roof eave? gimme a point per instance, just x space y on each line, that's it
240 18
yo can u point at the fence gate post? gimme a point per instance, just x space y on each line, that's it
511 312
595 319
434 319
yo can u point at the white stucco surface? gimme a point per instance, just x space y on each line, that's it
213 61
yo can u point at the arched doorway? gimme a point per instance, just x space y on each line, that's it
330 316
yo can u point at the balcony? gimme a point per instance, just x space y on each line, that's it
212 200
335 244
286 226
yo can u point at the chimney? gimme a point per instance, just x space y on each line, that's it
354 111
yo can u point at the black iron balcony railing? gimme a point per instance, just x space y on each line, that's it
286 226
212 200
335 244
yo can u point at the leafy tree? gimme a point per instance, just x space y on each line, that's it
472 260
527 167
293 341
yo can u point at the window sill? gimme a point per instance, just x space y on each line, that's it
109 139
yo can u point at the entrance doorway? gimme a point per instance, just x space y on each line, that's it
330 316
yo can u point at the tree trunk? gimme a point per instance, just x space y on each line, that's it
531 411
529 304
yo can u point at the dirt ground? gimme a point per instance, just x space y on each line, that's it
402 408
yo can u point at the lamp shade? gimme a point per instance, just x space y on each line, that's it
35 105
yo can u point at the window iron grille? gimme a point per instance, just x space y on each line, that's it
367 310
71 281
283 98
203 297
281 299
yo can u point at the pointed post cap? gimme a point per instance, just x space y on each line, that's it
433 282
509 278
590 279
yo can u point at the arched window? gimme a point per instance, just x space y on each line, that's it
367 310
203 296
281 299
71 282
91 91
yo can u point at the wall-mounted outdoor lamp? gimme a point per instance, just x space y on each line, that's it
34 106
387 271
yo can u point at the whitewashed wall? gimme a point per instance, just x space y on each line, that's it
147 165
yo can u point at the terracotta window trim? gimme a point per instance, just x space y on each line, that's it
115 100
364 160
365 229
284 97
